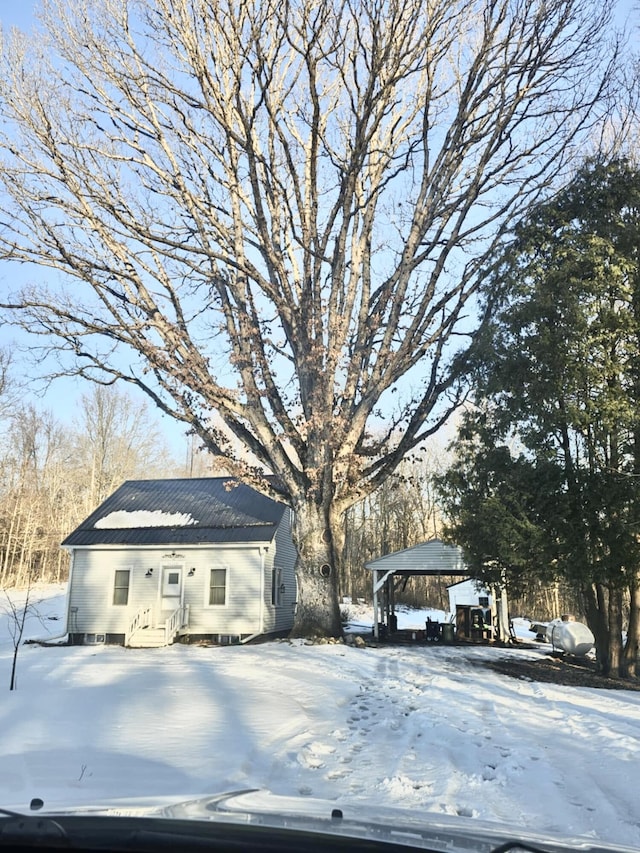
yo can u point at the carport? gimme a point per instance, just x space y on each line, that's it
428 558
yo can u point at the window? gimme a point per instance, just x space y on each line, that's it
218 586
121 586
276 587
483 601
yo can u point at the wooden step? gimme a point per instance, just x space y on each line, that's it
147 638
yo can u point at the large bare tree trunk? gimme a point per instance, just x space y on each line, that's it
317 613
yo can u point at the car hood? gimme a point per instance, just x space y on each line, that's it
399 827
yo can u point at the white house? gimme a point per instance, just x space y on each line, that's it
160 560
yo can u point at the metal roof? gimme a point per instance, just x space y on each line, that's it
428 558
196 511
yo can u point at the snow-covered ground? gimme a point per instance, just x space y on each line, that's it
423 727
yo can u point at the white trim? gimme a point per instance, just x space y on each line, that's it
207 586
263 554
379 581
112 590
479 584
167 566
456 583
376 617
72 555
196 546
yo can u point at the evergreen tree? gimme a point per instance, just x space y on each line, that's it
559 369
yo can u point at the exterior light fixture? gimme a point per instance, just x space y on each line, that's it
148 573
192 571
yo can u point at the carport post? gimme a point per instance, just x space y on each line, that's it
375 604
500 609
380 582
503 613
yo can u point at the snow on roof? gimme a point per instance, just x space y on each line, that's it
124 519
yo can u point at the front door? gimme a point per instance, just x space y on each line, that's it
171 588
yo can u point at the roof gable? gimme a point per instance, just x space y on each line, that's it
428 558
180 511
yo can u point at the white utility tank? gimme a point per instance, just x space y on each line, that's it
571 637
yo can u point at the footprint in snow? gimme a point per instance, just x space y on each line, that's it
336 774
338 735
489 773
465 811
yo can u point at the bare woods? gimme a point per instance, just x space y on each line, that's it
52 476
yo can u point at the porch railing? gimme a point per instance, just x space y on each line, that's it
178 619
140 619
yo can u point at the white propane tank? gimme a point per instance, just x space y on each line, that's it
571 637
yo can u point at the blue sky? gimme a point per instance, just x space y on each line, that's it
63 397
17 13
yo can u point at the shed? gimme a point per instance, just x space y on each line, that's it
469 592
203 558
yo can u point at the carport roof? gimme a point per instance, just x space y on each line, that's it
434 557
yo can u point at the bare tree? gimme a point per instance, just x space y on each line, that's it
116 439
31 493
276 212
6 398
52 476
16 614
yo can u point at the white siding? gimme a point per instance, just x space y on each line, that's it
241 612
91 608
468 593
247 609
283 557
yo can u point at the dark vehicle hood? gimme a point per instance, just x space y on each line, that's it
258 808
